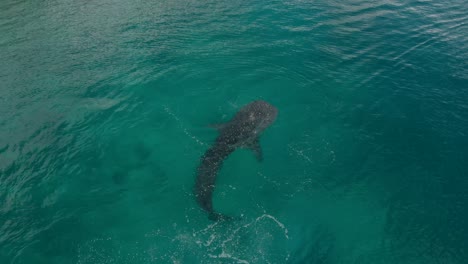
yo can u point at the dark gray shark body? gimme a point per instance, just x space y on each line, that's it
243 130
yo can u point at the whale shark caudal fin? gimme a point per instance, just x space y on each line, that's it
213 216
256 148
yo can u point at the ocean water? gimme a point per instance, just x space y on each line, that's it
105 109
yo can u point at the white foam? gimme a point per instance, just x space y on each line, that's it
281 225
301 154
224 255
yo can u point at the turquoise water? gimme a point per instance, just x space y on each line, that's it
105 111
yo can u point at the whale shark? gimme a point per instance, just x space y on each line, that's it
242 131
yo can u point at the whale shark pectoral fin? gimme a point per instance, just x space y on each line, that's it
257 150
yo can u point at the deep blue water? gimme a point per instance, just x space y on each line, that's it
105 109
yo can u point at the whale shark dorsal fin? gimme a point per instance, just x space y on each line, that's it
254 145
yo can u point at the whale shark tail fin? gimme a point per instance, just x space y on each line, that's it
213 216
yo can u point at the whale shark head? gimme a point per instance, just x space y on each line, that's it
260 115
247 125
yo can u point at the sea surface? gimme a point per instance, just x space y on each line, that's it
106 107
